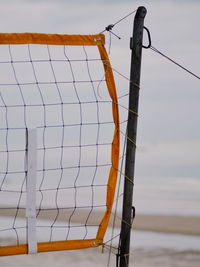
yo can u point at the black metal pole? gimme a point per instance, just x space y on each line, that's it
128 210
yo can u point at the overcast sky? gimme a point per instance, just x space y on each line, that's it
169 121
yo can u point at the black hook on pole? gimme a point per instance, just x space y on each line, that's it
149 37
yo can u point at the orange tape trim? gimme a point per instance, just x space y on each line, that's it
115 143
50 246
51 39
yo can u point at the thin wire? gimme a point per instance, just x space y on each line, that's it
128 138
117 198
124 221
125 17
111 239
120 20
110 27
128 109
123 174
173 61
122 75
110 43
109 247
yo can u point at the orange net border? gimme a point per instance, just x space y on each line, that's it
87 40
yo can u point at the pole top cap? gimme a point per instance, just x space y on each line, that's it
141 12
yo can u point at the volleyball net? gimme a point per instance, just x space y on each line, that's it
59 142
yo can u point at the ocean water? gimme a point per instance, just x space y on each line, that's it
152 240
167 195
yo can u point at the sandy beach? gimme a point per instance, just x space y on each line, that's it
90 257
189 225
168 224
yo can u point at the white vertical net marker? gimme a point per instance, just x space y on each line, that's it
31 190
